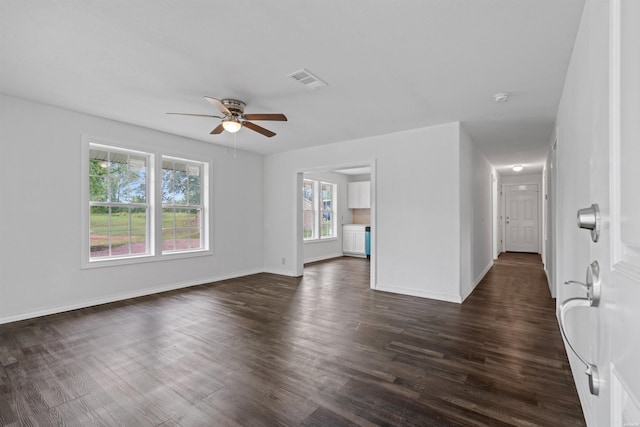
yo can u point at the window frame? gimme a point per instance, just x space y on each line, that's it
333 210
201 206
314 209
154 201
318 211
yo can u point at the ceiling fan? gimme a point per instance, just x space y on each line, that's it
234 117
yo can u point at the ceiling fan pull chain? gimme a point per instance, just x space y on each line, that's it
234 145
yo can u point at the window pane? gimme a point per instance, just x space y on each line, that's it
182 238
119 218
98 162
119 242
182 218
193 195
327 224
98 189
180 182
194 180
167 185
119 190
99 242
194 239
99 217
168 240
138 218
168 218
138 179
307 195
138 241
307 224
193 219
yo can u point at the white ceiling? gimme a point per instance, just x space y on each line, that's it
390 66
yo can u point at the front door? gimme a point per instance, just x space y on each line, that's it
521 218
613 328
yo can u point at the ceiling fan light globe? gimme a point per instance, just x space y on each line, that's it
231 126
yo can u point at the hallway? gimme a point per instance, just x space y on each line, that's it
319 350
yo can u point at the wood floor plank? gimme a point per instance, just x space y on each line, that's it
316 351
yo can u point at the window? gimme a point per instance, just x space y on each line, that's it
327 223
118 203
123 223
309 221
318 210
181 205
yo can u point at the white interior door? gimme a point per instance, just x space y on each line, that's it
611 331
521 218
619 345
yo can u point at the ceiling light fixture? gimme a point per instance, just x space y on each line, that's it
501 97
517 168
231 125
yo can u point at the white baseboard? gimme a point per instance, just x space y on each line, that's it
419 293
358 255
123 296
280 271
581 382
551 289
323 257
477 280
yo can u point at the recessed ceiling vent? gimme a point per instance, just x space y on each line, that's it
307 79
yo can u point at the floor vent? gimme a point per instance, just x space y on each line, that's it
308 80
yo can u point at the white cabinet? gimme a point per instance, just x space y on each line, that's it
353 240
359 195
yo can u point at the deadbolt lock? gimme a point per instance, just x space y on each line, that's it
589 219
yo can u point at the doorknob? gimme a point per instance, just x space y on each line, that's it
593 285
589 218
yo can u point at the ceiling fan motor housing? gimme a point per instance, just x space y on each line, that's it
235 106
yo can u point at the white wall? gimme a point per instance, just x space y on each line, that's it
40 216
316 250
415 172
417 204
360 178
416 183
475 215
550 255
534 178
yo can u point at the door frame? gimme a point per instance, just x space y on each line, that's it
504 212
495 213
298 237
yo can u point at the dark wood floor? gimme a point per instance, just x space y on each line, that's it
319 351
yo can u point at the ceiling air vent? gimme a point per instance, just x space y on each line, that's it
308 80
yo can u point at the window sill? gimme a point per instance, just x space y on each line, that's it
114 262
328 239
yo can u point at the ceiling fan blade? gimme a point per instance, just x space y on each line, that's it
274 117
219 105
197 115
259 129
217 130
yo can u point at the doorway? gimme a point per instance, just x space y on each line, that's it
521 218
341 219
